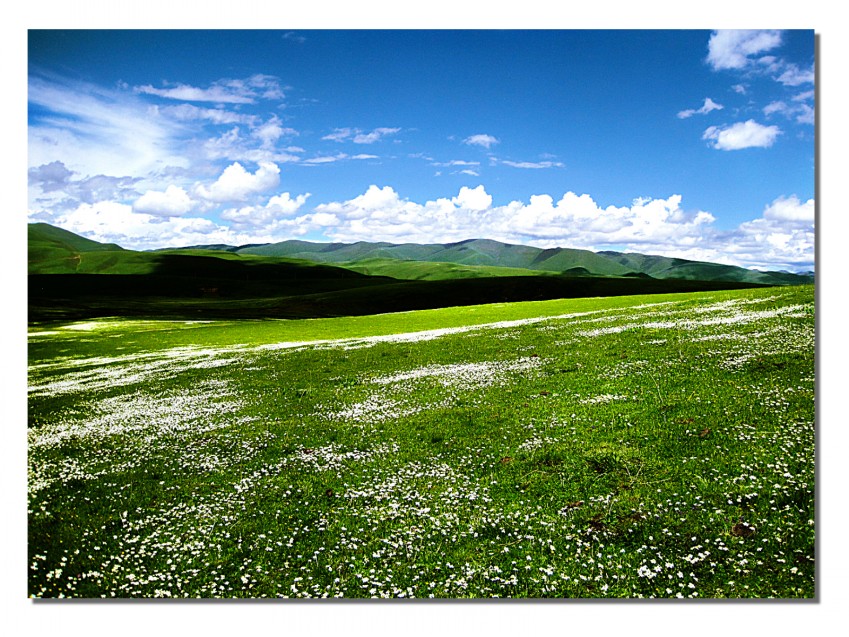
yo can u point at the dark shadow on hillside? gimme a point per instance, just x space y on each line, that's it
192 287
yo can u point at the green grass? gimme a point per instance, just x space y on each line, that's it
629 447
432 271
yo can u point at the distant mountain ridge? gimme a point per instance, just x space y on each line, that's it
487 252
53 249
71 277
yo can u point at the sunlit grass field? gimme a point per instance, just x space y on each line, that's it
633 447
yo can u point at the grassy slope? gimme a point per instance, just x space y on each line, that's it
619 457
432 270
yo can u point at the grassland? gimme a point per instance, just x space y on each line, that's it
657 446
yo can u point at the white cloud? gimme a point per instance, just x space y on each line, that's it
189 112
95 131
339 135
748 134
235 91
775 107
791 209
781 237
805 115
112 222
800 112
174 202
708 106
265 218
375 135
237 184
269 132
473 198
533 164
358 136
232 145
50 177
325 159
458 162
734 49
794 76
380 214
804 97
486 141
195 94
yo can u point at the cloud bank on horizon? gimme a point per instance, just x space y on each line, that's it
561 154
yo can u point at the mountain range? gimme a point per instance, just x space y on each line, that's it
488 253
74 277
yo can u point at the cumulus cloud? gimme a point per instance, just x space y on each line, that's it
483 140
173 202
50 177
791 209
237 184
112 222
781 237
575 221
736 48
54 185
748 134
473 198
708 106
265 217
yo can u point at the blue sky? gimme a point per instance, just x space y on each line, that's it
698 144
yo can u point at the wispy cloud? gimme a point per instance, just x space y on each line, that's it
793 75
227 91
533 164
190 112
358 136
99 131
708 106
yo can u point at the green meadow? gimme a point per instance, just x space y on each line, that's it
657 446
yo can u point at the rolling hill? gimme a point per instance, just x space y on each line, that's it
486 252
71 277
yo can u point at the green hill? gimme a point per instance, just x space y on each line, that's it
54 250
433 270
489 253
72 277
